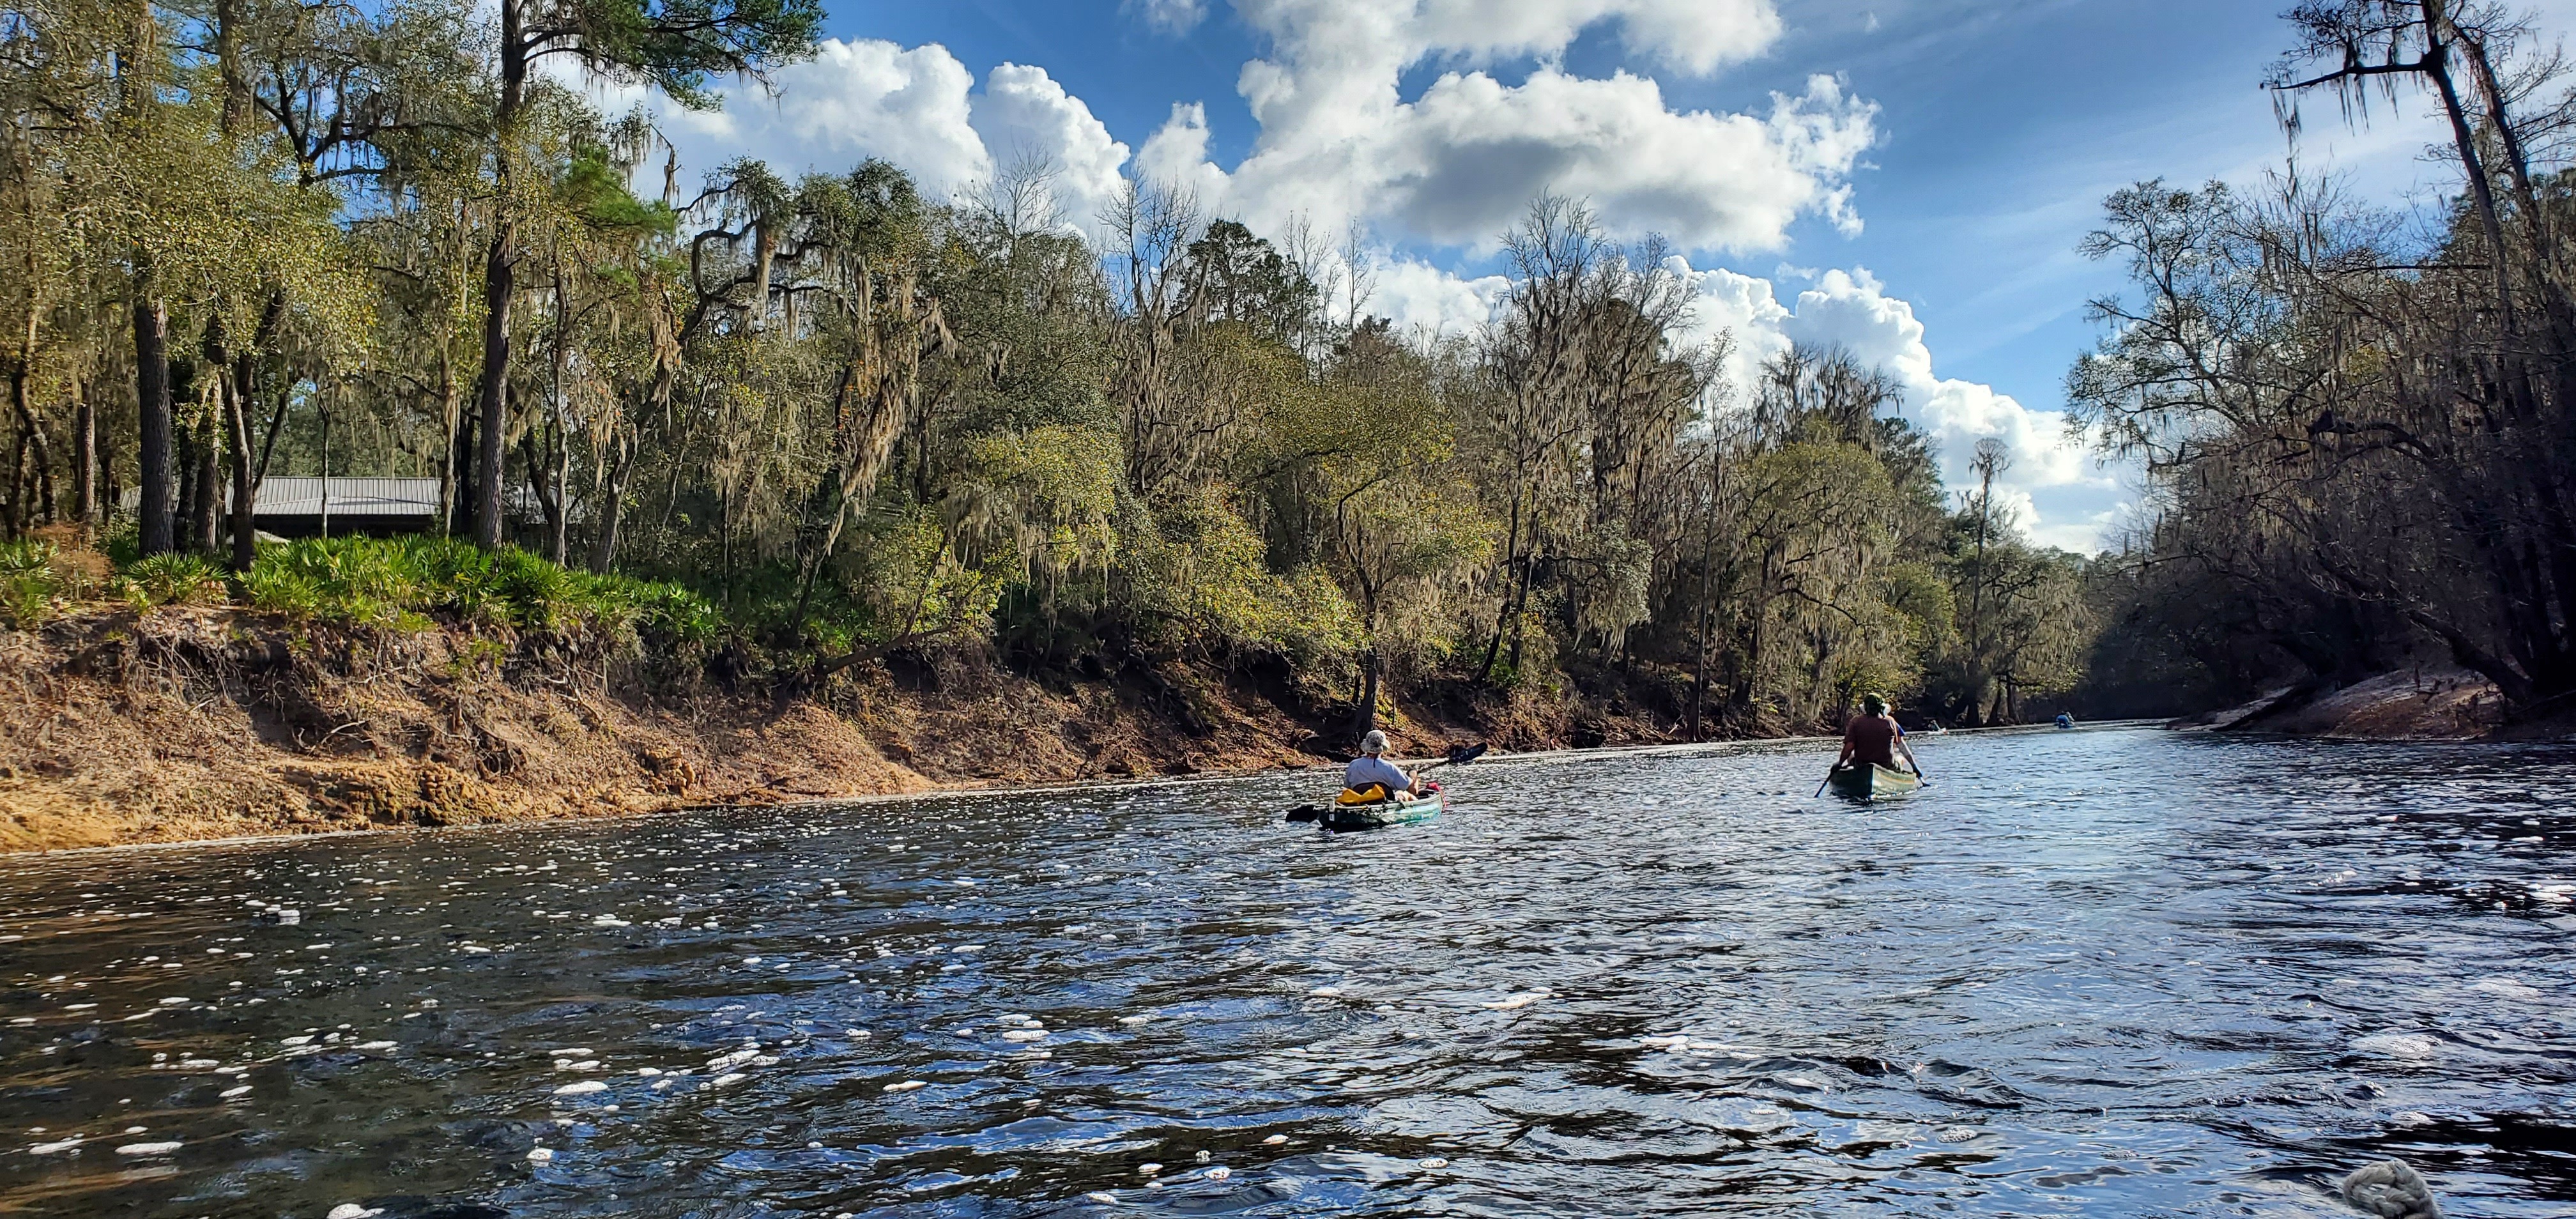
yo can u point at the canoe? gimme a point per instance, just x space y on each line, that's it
1342 817
1873 782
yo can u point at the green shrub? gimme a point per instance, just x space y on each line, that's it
454 578
540 595
172 579
354 580
274 589
29 583
123 543
27 556
404 583
669 615
401 582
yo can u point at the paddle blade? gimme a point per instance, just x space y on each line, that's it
1462 754
1305 812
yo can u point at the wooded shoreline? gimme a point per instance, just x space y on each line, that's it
122 727
187 723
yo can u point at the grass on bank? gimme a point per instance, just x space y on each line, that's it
408 583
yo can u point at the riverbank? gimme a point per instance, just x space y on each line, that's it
182 723
2413 704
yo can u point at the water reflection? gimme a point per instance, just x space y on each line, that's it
2103 971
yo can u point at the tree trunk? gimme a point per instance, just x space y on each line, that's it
36 499
323 501
1699 650
111 489
500 283
156 534
206 515
547 461
558 534
22 375
44 455
236 379
2473 167
724 529
245 482
183 514
461 448
84 459
493 394
1748 678
1365 721
1520 600
612 505
1502 618
9 496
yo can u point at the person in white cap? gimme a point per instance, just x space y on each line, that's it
1372 767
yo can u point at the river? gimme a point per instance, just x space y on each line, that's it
2110 971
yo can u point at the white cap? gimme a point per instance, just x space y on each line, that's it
1374 742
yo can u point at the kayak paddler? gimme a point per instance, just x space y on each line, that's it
1874 739
1372 767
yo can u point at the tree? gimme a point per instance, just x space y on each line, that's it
674 46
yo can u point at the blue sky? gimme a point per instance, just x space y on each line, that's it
1921 203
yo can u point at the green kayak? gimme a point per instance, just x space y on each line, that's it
1873 782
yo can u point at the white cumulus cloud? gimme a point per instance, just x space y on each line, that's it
1424 300
1339 144
1853 309
1743 307
915 107
1690 35
851 101
1025 116
1850 309
2053 483
1175 156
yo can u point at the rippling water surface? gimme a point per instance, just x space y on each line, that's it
2107 972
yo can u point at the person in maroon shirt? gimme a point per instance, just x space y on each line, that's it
1872 738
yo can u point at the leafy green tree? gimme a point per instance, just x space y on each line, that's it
673 46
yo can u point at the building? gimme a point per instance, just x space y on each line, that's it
295 506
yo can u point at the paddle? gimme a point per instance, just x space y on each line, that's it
1459 755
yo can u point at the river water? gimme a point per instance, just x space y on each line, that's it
2112 971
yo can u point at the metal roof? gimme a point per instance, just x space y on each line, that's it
301 495
283 495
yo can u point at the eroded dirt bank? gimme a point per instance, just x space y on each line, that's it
2415 704
183 724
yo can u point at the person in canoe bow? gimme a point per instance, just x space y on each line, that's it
1371 767
1873 738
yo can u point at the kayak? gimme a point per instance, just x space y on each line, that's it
1378 816
1371 808
1873 782
1373 814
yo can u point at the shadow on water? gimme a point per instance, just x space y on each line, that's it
2105 971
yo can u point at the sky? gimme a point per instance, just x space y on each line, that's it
1908 178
